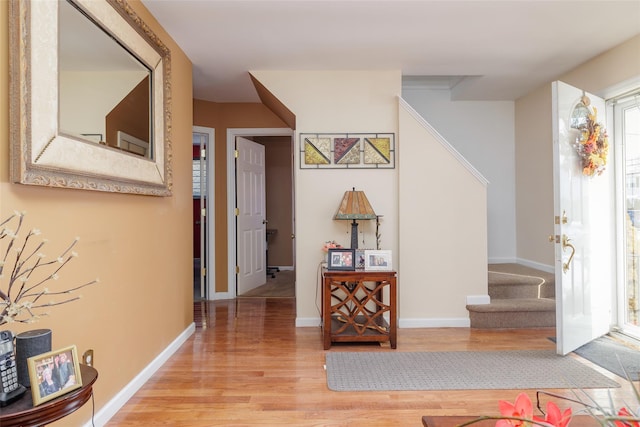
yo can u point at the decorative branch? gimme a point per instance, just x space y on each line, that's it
21 297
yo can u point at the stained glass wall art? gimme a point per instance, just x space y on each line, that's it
347 150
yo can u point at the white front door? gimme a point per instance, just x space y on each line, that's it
251 215
584 228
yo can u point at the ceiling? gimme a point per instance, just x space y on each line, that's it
483 50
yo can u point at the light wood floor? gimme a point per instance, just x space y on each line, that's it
248 365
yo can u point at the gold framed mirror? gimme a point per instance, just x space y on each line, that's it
52 142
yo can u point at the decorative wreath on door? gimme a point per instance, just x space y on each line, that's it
592 144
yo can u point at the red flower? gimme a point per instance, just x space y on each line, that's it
625 413
522 408
554 417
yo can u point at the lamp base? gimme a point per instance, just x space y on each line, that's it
354 235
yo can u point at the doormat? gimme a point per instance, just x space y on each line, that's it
459 370
612 355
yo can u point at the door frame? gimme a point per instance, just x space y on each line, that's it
209 226
231 197
614 123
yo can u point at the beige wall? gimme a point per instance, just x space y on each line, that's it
443 230
332 101
222 117
534 143
139 246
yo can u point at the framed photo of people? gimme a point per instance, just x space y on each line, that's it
341 259
53 374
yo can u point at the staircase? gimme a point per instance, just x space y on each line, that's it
521 297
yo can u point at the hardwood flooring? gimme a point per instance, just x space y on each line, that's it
248 365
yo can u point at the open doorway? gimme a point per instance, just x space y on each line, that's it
202 174
279 213
626 134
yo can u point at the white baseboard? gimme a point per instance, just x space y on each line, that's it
304 322
223 295
501 260
114 405
525 262
537 265
478 299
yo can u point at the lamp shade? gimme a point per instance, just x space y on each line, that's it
355 205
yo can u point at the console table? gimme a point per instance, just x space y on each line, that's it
23 413
353 307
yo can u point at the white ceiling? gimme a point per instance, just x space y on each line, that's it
504 48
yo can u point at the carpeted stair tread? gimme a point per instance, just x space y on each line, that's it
518 281
523 270
521 297
531 288
515 304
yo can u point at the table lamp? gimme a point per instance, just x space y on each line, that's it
354 206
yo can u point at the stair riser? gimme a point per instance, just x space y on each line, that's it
512 319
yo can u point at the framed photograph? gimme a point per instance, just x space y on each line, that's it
360 259
341 259
53 374
377 261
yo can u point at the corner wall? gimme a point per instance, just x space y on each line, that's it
443 228
139 246
483 132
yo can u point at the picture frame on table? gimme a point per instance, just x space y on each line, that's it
360 259
378 260
341 259
53 374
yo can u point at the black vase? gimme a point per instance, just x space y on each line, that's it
29 344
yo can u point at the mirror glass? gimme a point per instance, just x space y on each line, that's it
90 97
104 89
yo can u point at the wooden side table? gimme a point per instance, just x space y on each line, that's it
23 413
353 307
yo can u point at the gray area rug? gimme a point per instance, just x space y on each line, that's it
614 356
459 370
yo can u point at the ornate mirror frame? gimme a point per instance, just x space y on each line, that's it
40 154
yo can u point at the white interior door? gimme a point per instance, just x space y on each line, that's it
251 215
584 230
